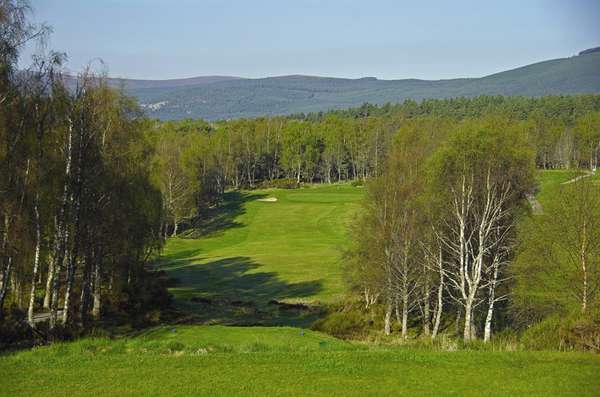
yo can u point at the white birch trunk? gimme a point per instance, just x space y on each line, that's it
62 235
49 282
440 297
36 260
405 315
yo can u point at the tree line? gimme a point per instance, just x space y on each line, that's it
198 160
79 214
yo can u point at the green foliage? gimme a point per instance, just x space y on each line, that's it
477 147
573 332
544 335
78 208
282 183
554 247
344 324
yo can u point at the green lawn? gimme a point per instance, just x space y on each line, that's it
281 361
258 251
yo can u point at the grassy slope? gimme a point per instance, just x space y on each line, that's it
285 250
229 361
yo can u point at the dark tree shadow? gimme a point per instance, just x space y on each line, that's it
231 291
185 254
216 220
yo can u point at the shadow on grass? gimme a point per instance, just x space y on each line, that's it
233 291
216 220
183 254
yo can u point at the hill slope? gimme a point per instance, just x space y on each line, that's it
217 97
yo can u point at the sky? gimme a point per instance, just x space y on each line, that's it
160 39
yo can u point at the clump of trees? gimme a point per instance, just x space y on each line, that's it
444 237
196 162
555 294
79 214
438 228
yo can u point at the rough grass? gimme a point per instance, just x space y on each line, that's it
250 250
229 361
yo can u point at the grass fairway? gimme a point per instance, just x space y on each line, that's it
257 251
276 361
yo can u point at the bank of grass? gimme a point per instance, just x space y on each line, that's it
250 361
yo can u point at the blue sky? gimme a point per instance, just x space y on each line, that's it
160 39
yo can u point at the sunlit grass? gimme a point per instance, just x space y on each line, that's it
250 361
290 249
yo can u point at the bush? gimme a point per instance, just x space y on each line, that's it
284 183
12 333
568 333
142 302
584 334
358 182
343 324
544 335
175 346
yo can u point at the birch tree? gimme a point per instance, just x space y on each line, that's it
482 176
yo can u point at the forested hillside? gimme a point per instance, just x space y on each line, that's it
229 98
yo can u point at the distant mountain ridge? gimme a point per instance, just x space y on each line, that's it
136 84
225 97
589 51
